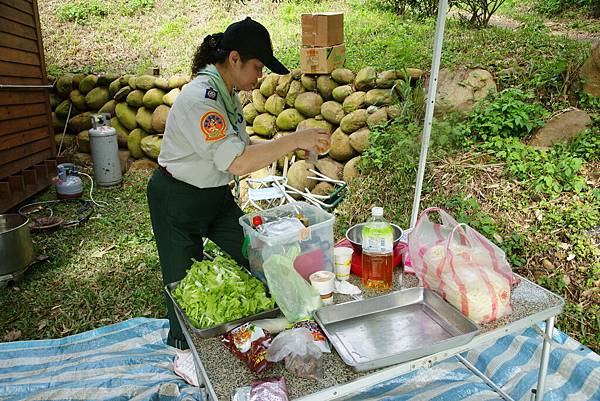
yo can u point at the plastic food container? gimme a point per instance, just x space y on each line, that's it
315 241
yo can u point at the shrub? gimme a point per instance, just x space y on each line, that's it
82 10
130 7
481 10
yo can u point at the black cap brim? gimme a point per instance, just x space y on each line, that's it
275 65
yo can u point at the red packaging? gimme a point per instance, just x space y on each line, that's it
249 343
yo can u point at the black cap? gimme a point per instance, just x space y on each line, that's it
252 39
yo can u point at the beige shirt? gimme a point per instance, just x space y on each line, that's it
200 141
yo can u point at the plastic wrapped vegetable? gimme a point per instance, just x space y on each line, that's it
296 298
301 355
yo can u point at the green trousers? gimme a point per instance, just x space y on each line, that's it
182 215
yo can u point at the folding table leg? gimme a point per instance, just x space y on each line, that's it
541 384
486 379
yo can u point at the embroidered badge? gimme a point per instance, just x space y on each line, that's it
213 126
211 94
240 118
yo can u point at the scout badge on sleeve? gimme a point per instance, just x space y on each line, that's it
213 126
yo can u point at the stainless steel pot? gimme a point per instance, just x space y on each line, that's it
16 248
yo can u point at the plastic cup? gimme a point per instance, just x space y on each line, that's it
343 259
323 281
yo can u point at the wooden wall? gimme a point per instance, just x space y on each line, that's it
26 134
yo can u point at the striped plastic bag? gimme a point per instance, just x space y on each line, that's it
460 264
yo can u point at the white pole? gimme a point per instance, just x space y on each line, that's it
433 81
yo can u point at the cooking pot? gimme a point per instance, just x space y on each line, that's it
16 248
354 235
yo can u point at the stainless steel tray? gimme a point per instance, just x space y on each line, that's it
394 328
221 328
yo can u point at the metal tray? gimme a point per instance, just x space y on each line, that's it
221 328
394 328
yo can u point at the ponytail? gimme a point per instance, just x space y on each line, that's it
211 52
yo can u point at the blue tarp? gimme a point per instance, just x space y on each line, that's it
131 361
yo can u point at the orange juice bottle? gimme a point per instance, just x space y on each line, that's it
377 252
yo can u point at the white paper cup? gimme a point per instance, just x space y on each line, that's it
322 281
343 259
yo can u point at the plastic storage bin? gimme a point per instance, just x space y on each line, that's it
315 241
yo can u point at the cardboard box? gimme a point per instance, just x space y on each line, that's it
322 60
322 29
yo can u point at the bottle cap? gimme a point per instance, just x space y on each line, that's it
377 211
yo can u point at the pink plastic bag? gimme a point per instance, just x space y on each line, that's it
460 264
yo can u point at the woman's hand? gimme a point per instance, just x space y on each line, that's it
313 138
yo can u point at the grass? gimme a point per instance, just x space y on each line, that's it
106 270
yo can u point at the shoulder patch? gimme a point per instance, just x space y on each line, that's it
213 125
210 94
240 118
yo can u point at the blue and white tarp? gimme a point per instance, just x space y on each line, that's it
512 363
131 361
125 361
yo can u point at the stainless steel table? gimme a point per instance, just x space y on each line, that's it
220 373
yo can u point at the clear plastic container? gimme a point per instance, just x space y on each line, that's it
377 252
315 240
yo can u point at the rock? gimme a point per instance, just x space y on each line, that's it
309 104
353 121
275 104
386 79
245 97
87 84
354 101
297 175
145 82
333 112
309 82
67 141
162 83
351 169
143 164
393 111
342 92
288 119
126 115
323 188
283 85
64 85
134 142
80 122
264 124
359 140
561 127
109 107
341 150
151 146
250 113
258 100
97 97
365 79
377 118
317 122
590 73
268 85
114 87
132 82
58 124
135 98
54 101
106 79
122 132
122 93
325 86
411 73
153 98
83 142
177 81
78 99
62 110
143 118
330 168
83 159
169 98
380 97
459 91
159 118
77 78
124 80
296 88
342 76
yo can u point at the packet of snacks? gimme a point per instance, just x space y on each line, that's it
249 343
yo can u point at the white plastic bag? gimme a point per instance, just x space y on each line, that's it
301 354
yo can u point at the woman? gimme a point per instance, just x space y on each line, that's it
205 144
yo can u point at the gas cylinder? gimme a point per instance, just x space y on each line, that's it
105 151
68 184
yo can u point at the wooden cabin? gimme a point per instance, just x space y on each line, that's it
27 149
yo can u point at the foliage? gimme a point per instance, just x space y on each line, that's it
481 11
420 8
557 7
81 11
550 171
130 7
510 113
588 101
587 145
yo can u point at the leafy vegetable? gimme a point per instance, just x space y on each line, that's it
219 291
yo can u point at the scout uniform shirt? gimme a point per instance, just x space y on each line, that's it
202 137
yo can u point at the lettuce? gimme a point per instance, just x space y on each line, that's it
219 291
